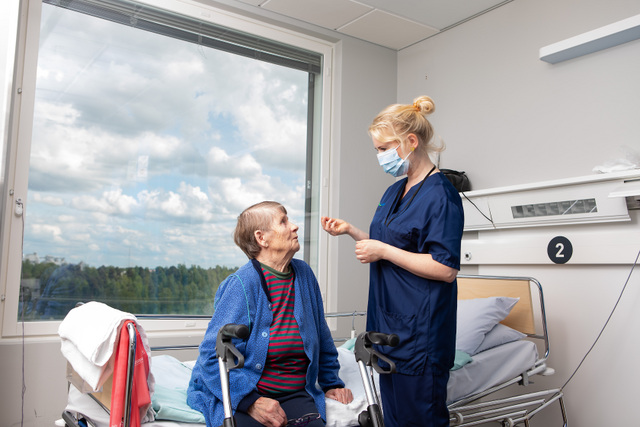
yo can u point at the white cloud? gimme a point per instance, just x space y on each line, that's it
83 237
187 202
237 195
177 235
112 202
220 163
92 158
47 200
62 114
47 231
184 69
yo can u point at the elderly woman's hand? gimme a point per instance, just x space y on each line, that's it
268 412
342 395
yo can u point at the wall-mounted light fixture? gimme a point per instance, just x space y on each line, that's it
602 38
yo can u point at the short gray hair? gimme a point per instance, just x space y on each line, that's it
255 217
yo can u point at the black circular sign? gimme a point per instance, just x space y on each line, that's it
560 250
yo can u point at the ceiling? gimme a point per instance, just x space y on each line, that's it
395 24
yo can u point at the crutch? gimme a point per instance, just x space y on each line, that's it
229 358
367 356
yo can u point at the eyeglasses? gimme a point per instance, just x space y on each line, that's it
303 420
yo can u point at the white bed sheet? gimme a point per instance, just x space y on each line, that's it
490 368
487 369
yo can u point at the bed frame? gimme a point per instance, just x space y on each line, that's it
526 318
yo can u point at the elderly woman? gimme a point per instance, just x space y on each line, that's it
290 351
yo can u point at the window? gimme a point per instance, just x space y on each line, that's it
150 132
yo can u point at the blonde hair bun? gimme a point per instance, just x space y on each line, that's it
424 105
397 121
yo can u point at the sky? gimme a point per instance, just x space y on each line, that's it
145 149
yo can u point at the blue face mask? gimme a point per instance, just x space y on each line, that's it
392 163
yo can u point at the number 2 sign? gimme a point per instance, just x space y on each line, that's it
560 250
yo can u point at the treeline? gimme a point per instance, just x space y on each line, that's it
49 291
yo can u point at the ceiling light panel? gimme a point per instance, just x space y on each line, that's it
388 30
434 13
253 2
330 14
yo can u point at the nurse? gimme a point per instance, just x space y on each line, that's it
413 249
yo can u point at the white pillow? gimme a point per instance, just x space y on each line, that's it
478 316
500 334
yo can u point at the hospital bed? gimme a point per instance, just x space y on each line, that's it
503 342
504 361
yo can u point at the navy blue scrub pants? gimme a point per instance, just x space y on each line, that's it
294 405
415 400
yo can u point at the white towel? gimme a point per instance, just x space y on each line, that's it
88 335
341 415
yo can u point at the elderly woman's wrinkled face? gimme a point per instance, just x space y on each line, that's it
283 236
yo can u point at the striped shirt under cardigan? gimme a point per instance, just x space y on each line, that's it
286 365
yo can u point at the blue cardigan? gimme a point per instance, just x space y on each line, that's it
241 298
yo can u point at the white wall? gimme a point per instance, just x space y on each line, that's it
358 182
360 67
509 118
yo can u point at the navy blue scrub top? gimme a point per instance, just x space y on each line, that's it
422 312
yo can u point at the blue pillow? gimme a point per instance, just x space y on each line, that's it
169 399
349 344
500 334
462 359
478 316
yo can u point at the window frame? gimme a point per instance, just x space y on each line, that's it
18 152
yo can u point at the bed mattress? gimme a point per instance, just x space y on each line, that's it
490 368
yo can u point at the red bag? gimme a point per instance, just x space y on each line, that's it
140 397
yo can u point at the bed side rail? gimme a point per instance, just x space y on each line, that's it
508 411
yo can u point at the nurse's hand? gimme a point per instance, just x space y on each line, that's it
334 226
369 250
268 412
